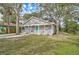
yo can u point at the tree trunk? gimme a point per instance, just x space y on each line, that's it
57 27
8 24
17 21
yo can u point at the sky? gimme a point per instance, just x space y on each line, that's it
29 8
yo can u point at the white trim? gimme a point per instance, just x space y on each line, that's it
38 24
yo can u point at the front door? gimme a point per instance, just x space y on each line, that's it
36 29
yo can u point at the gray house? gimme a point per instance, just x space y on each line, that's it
38 26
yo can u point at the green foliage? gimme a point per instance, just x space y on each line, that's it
71 26
8 13
36 14
66 11
26 16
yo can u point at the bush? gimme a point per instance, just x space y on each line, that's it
71 26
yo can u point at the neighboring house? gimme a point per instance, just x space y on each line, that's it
1 21
4 27
36 25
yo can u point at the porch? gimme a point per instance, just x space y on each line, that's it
38 29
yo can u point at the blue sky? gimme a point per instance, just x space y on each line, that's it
29 8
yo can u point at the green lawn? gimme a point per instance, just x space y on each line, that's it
41 45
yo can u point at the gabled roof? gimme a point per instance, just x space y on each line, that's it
35 21
22 21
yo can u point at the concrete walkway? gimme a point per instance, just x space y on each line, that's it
13 35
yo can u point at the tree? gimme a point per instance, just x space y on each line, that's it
27 16
53 11
16 8
36 14
56 12
70 15
7 12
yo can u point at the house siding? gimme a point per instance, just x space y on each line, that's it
38 26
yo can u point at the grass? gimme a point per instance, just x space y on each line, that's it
64 44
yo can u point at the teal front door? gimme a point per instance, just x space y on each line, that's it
36 28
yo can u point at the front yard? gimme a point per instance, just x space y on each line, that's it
64 44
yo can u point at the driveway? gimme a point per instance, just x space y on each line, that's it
13 35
